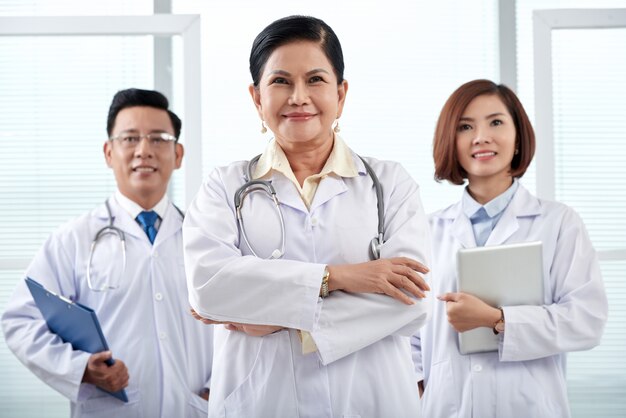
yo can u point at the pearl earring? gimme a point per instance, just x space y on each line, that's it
516 151
263 127
336 128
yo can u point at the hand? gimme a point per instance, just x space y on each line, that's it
466 312
388 276
204 320
253 330
250 329
204 393
110 378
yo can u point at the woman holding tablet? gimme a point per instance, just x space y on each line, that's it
484 135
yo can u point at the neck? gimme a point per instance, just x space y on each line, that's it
307 159
485 190
147 202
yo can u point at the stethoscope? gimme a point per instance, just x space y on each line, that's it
110 229
266 186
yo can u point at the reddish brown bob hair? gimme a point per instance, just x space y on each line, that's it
447 165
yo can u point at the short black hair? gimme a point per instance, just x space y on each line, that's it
138 97
290 29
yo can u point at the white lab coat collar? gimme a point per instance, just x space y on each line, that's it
523 204
330 186
170 224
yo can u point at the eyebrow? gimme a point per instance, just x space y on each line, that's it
493 115
136 131
287 73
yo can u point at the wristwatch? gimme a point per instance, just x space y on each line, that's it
498 326
325 279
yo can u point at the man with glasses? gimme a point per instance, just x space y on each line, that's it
124 260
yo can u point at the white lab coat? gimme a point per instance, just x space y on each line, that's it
363 367
146 321
526 378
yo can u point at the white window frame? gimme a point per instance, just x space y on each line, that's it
185 26
544 22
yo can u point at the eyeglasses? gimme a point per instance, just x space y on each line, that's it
156 139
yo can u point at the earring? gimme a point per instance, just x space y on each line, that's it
263 127
336 128
516 151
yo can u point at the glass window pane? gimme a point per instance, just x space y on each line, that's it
590 129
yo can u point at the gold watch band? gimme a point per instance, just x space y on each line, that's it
324 289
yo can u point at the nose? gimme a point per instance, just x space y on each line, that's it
481 137
299 94
143 148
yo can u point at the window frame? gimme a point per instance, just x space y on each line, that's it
161 25
544 22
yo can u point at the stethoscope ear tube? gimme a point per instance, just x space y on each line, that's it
263 185
240 194
108 229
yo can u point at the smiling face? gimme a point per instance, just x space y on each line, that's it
298 96
486 141
143 172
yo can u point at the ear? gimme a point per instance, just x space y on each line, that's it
255 93
180 151
106 149
342 91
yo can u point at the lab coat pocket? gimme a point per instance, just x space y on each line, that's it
269 379
197 407
539 391
104 405
439 398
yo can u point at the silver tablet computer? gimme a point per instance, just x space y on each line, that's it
502 275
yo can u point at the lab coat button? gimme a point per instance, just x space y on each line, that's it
155 255
478 368
314 221
162 335
158 296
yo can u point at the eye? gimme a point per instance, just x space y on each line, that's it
316 79
131 139
464 127
496 122
279 80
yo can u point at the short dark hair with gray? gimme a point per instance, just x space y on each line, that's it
138 97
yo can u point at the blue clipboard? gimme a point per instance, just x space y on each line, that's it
74 323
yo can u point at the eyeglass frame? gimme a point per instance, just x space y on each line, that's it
163 136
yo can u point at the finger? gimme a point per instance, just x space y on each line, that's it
409 262
392 291
413 276
449 297
98 359
402 282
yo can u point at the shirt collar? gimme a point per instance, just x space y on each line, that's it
494 207
339 161
133 209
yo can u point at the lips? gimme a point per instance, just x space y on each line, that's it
297 116
144 169
484 154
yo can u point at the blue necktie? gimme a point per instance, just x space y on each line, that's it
147 220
